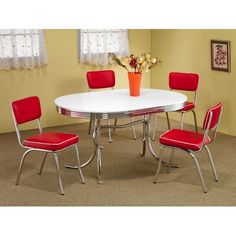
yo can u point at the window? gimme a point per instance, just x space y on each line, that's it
22 48
96 44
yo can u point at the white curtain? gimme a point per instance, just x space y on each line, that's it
22 48
96 44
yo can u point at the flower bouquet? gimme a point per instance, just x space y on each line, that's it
135 65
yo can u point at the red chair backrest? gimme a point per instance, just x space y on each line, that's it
101 79
26 109
216 111
183 81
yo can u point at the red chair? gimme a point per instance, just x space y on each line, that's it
29 109
184 82
101 80
192 142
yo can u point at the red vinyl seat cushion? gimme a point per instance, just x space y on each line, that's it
183 139
51 141
188 106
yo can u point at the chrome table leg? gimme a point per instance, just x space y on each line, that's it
98 147
146 137
168 120
99 165
155 128
133 129
143 152
115 123
90 125
109 131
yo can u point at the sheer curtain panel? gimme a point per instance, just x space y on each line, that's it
96 44
22 48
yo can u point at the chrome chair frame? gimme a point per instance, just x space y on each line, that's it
192 154
181 119
55 155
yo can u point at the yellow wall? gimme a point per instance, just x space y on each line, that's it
63 75
189 51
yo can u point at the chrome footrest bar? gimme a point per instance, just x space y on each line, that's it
123 125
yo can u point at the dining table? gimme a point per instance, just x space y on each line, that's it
114 104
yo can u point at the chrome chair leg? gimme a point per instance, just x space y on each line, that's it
159 166
211 162
78 162
182 120
58 173
155 127
199 172
168 120
171 160
133 129
195 120
21 165
109 131
42 165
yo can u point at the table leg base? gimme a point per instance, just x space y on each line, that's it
71 166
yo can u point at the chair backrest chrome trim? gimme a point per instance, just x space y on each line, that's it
216 111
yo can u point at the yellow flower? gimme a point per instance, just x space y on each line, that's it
148 56
139 68
144 66
125 60
154 60
141 59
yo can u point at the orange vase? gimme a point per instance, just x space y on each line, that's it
134 83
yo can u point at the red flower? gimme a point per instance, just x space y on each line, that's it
133 63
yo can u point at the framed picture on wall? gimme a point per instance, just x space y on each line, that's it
220 55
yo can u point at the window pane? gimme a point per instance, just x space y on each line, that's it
103 41
6 51
24 43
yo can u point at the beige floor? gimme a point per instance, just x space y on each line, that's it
127 176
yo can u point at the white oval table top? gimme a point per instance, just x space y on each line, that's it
118 102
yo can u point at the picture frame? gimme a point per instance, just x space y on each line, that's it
220 55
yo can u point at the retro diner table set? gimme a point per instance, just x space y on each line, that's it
117 103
